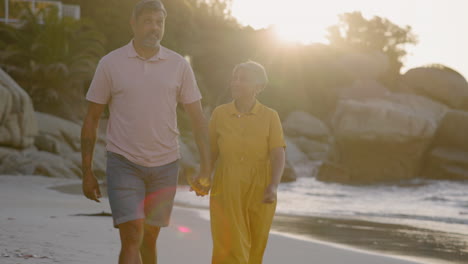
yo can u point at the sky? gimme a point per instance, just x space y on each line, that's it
440 25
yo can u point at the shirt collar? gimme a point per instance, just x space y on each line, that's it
161 55
233 110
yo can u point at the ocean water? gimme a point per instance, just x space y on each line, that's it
429 204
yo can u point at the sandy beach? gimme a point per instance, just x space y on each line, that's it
42 225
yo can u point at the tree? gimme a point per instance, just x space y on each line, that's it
51 58
354 32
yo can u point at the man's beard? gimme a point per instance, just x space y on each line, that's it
151 41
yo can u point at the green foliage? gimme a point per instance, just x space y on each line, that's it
51 58
60 54
354 32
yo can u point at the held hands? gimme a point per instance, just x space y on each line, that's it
270 194
200 184
91 187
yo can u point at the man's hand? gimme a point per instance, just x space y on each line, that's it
200 184
91 187
270 194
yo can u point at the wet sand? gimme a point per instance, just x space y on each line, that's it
424 245
43 226
427 246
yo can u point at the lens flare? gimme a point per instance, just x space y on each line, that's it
184 229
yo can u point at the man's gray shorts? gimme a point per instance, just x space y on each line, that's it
138 192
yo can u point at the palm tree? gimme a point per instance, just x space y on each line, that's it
52 58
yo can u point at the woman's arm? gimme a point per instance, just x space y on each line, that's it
277 160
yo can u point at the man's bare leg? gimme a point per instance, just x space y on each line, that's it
131 237
148 246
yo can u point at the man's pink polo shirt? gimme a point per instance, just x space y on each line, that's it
142 97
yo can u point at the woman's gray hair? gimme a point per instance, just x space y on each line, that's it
256 69
152 5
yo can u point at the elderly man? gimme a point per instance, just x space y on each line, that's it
142 83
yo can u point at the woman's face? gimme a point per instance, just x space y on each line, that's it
243 84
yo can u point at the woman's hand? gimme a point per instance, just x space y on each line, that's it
201 184
270 194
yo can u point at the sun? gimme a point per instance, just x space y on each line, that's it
296 21
296 33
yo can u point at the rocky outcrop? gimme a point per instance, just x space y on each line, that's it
18 126
448 156
56 151
307 144
438 83
381 139
61 138
302 124
363 89
364 65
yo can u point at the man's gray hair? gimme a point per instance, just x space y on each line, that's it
152 5
257 70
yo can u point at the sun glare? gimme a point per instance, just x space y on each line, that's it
294 34
302 22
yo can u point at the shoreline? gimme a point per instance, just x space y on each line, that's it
39 224
402 241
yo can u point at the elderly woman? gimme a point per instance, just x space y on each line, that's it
248 147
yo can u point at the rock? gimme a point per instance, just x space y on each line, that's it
447 164
363 89
52 165
289 174
438 83
303 124
315 150
298 161
14 162
329 172
364 65
382 139
38 143
33 162
453 131
62 137
65 133
18 126
448 157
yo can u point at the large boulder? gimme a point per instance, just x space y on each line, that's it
453 130
363 89
33 162
381 139
315 150
15 162
298 163
364 65
62 138
448 157
303 124
448 164
438 83
18 126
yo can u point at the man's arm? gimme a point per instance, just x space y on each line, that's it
200 132
88 140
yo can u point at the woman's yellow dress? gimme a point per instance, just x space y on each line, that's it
240 222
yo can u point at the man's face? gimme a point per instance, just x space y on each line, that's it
148 28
